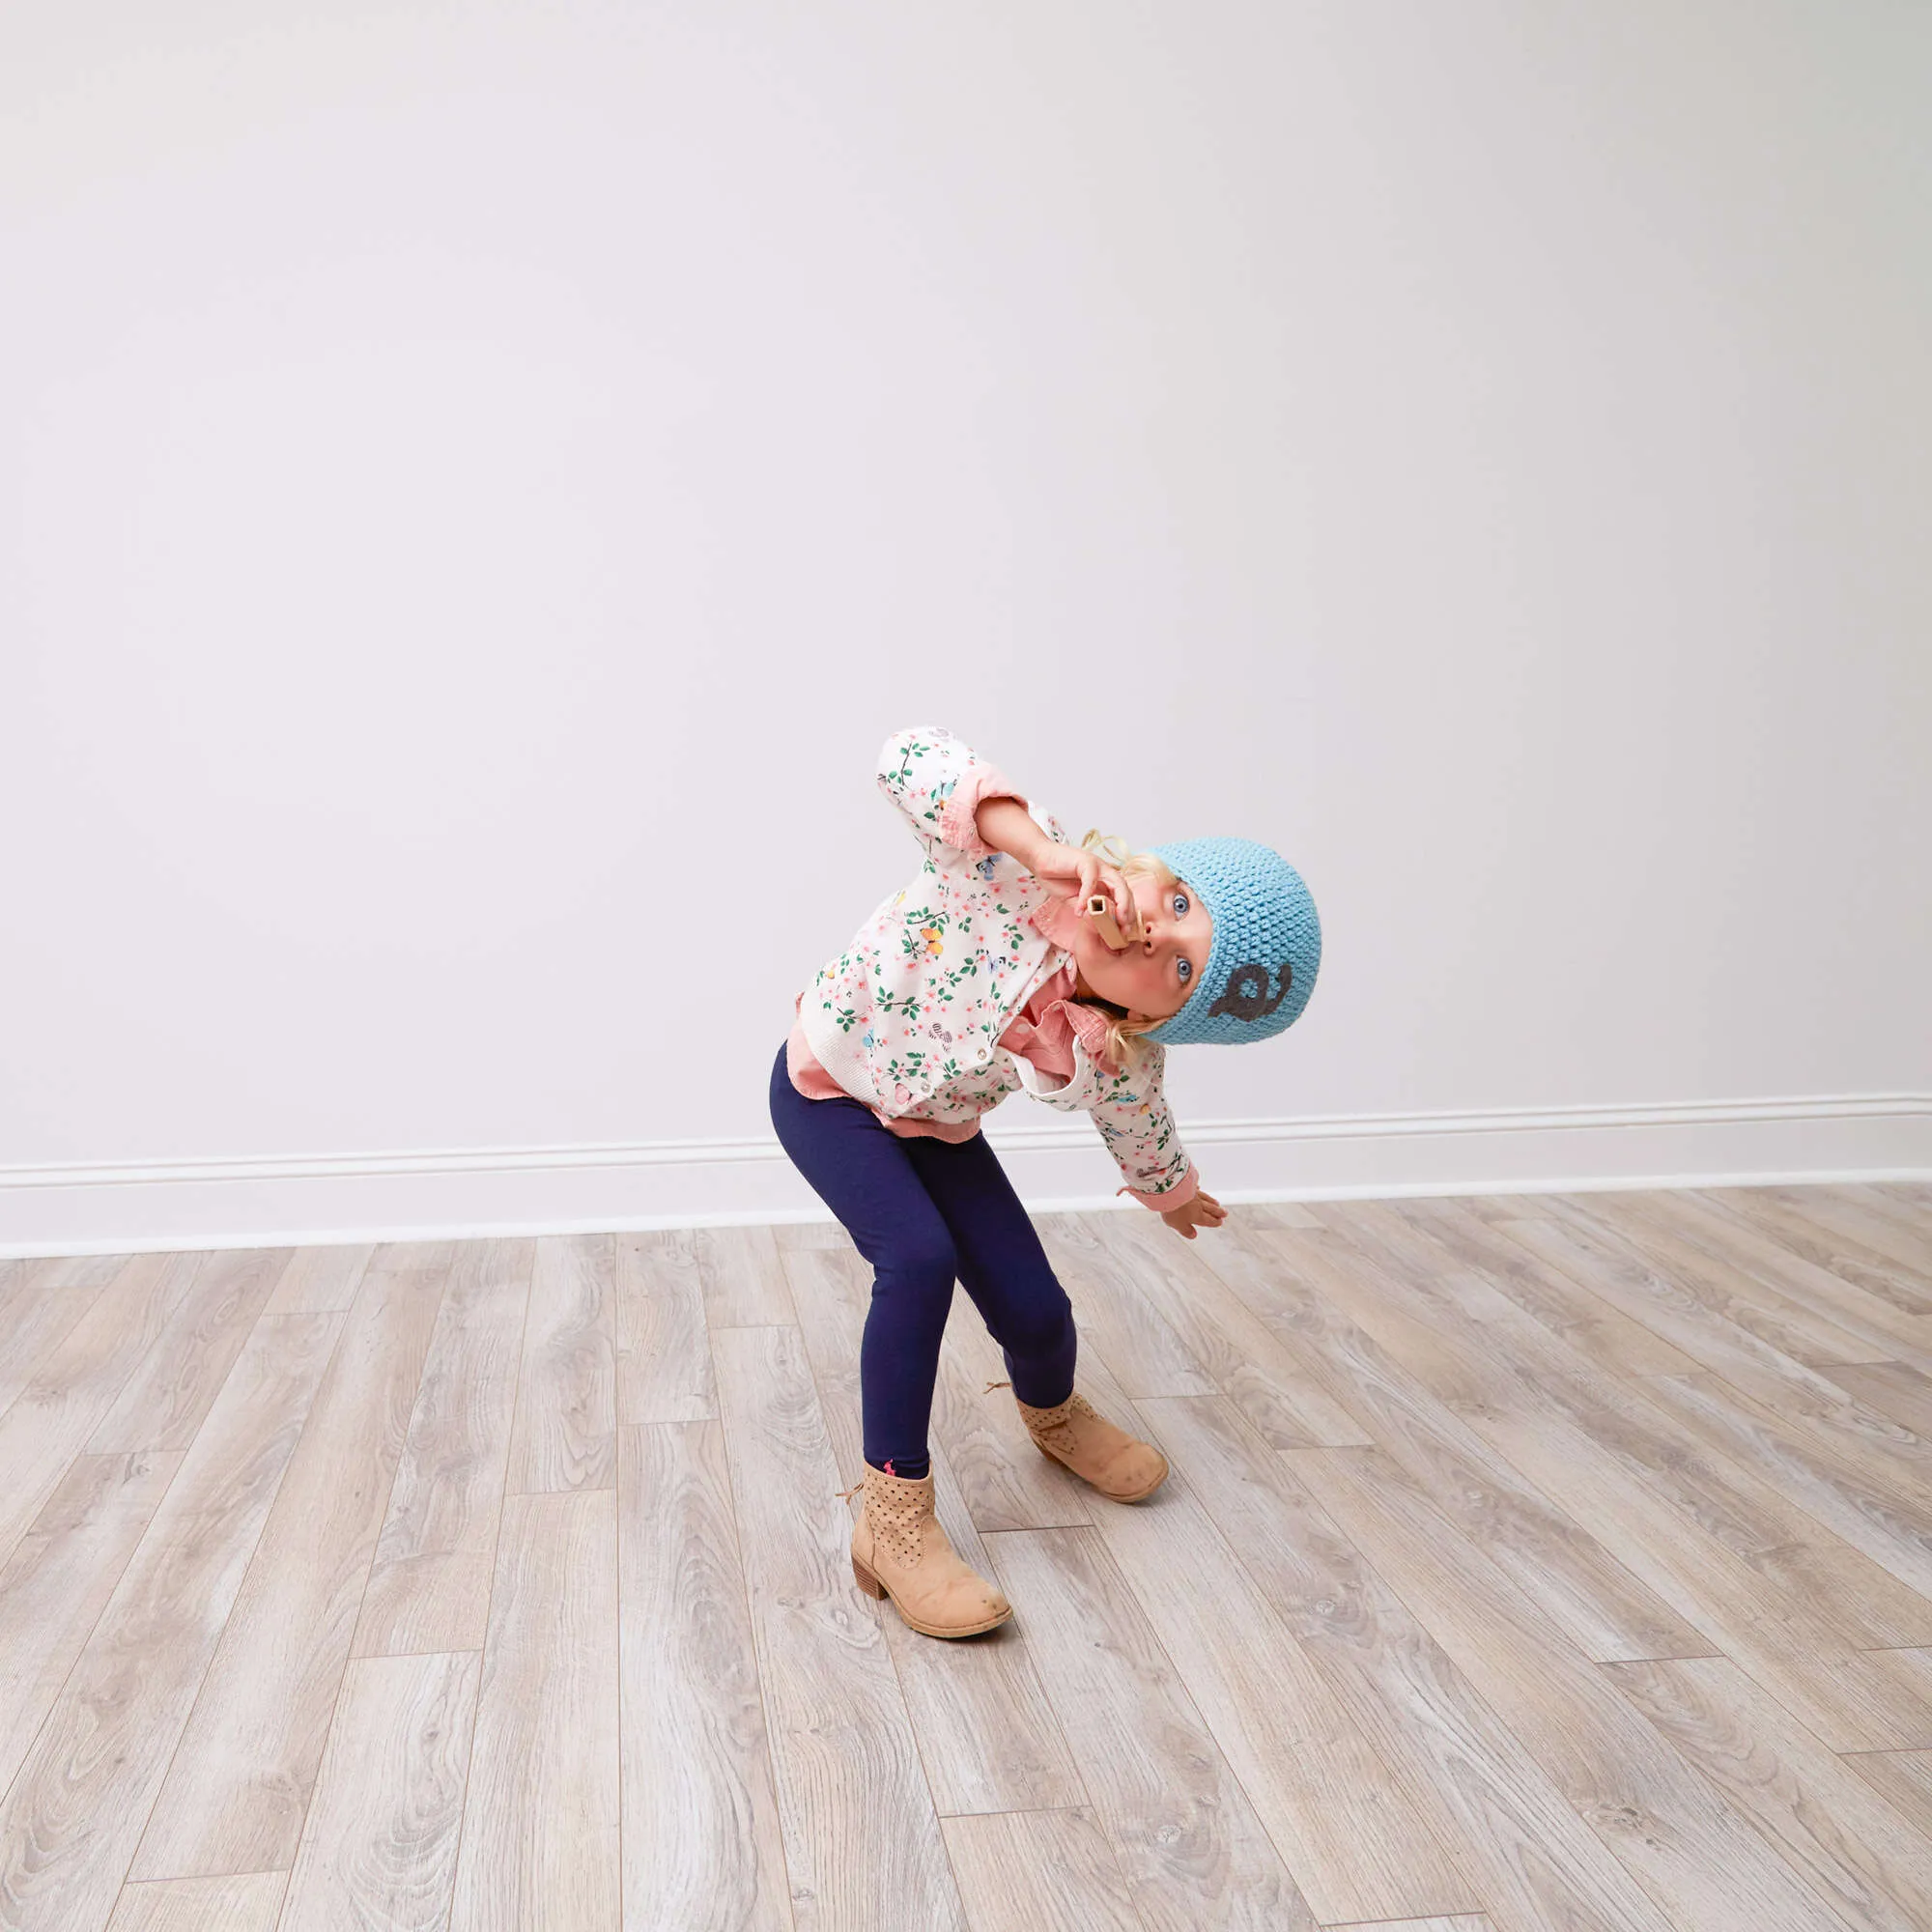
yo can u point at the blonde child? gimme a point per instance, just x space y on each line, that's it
984 978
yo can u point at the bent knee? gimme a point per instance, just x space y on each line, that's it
1040 1327
925 1261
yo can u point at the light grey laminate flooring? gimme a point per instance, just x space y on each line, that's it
1551 1564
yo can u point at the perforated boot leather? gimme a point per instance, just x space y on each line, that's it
1118 1464
900 1551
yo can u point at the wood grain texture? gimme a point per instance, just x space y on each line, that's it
239 1782
1854 1260
1867 1216
1907 1671
1791 1279
428 1579
1272 1215
565 1432
1652 1491
790 1236
1866 1495
378 1847
744 1282
540 1832
1524 1851
700 1829
1908 1201
738 1272
81 1270
1345 1826
861 1839
1118 1319
79 1381
1298 1283
1903 1395
1717 1283
1242 1356
1816 1399
1192 1850
1772 1628
1603 1336
320 1281
1690 1850
1040 1871
164 1399
59 1577
664 1353
1903 1779
1463 1921
1469 1493
987 1735
250 1903
1853 1850
35 1314
1624 1276
71 1821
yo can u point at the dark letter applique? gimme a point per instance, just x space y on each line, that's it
1247 993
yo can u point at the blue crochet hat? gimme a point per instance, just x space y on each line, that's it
1268 942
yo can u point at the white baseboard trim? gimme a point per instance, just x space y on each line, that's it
247 1202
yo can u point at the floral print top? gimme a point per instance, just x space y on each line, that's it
909 1018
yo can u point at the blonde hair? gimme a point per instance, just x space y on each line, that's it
1123 1034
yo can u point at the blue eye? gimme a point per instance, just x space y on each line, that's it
1180 905
1187 971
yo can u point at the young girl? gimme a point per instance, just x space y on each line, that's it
985 975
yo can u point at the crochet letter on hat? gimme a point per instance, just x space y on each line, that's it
1247 996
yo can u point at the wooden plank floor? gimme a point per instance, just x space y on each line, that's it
1549 1564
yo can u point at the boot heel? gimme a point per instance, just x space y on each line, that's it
866 1582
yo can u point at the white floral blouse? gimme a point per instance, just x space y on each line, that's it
908 1018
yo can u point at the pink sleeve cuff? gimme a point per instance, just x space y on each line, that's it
957 825
1175 1197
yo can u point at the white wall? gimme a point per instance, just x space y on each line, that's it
479 482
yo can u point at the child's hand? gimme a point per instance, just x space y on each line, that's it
1203 1211
1070 872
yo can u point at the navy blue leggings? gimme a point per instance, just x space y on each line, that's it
925 1212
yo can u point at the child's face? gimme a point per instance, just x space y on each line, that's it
1155 977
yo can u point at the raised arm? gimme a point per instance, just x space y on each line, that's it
936 781
1066 871
1005 825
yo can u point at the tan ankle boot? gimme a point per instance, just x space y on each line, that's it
1117 1464
899 1551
